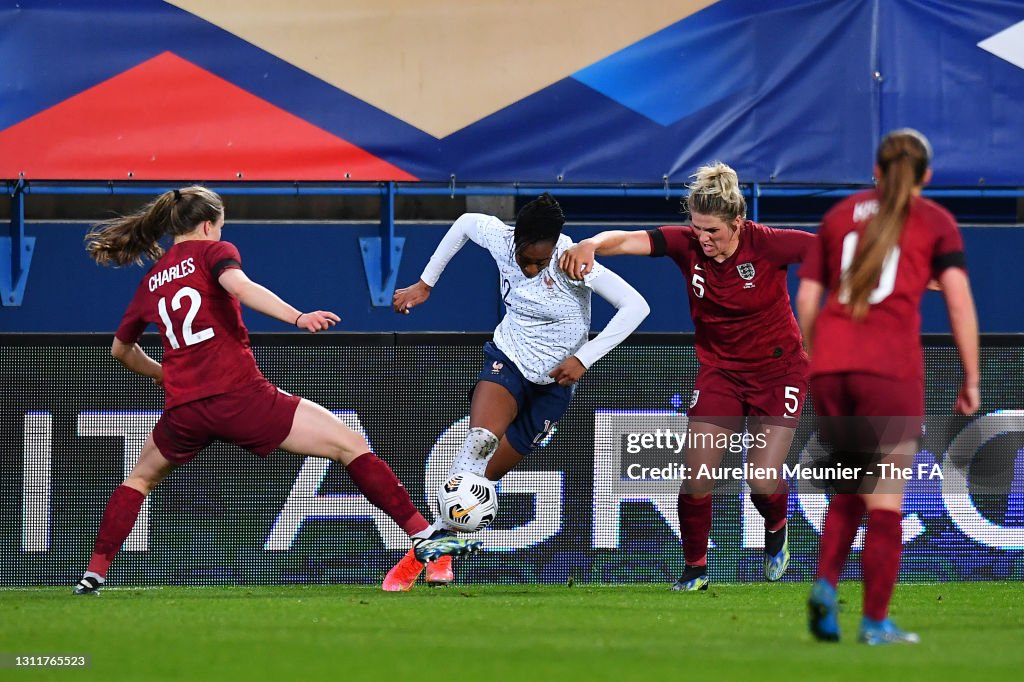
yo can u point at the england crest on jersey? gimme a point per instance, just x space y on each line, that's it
746 271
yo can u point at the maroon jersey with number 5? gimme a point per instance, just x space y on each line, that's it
206 345
740 307
887 341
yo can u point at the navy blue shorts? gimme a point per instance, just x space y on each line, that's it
540 406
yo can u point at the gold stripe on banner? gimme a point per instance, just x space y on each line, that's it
442 65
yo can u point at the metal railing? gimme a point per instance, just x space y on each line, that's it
382 254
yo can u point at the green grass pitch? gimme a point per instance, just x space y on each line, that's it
970 631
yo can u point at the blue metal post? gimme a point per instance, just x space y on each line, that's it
387 227
17 231
15 250
382 254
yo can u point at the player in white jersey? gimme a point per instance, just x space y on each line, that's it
540 348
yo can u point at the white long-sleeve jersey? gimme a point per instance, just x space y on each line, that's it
547 317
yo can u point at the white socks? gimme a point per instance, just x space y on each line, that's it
477 449
472 457
425 533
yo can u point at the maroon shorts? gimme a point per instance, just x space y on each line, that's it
885 410
257 417
724 397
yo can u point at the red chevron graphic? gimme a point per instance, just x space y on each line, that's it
168 119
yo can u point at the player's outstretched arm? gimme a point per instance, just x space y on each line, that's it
134 358
462 230
808 304
963 319
632 309
578 260
263 300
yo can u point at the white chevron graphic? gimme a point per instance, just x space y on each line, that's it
1007 44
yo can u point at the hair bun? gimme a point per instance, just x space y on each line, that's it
715 190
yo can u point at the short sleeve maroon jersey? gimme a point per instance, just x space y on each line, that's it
740 307
206 345
887 341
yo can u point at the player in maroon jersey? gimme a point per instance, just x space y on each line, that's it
876 253
748 344
213 388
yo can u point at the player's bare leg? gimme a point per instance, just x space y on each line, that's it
442 572
504 460
491 411
315 431
493 407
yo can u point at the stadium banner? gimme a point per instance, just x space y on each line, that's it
490 91
596 502
954 69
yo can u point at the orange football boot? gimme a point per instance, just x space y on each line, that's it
440 573
403 575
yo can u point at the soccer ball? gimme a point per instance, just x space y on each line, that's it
467 502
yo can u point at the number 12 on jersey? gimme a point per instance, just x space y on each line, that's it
190 337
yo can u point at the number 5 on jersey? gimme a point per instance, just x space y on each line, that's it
698 285
190 337
792 401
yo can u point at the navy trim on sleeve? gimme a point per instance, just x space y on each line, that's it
954 259
659 245
221 266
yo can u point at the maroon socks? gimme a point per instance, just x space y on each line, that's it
378 483
841 524
695 527
118 521
881 560
774 508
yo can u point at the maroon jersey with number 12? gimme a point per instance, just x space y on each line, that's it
740 307
206 345
887 341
